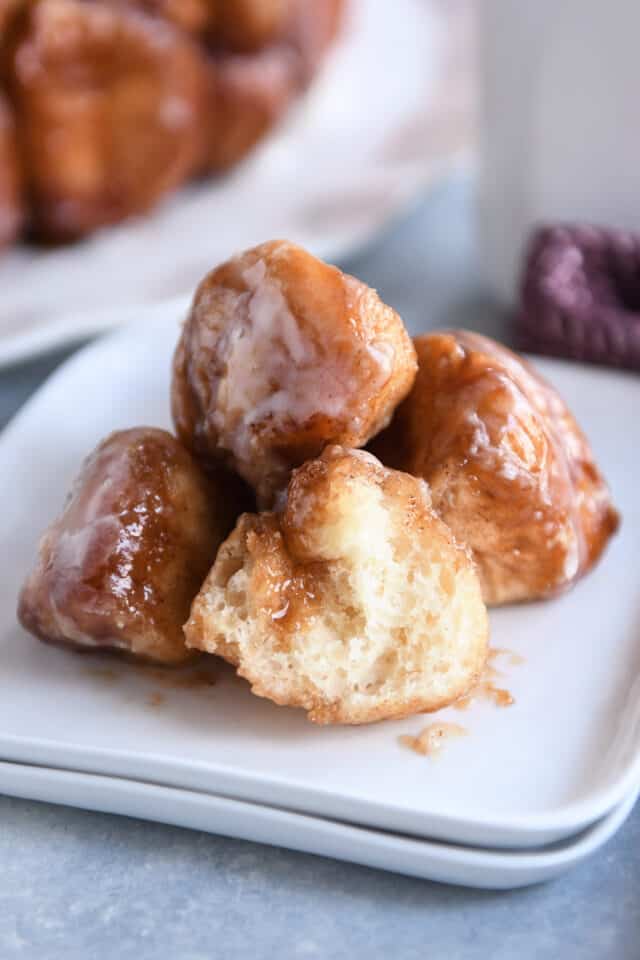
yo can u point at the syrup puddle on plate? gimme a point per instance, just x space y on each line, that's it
190 678
486 689
430 740
106 674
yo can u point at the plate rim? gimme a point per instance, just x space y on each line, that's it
515 867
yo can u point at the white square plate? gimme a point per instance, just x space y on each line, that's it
561 757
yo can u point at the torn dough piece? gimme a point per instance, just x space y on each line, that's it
355 603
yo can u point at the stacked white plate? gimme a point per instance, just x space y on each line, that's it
532 788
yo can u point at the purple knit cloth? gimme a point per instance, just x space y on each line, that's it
580 295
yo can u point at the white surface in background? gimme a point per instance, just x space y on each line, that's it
560 139
565 754
352 154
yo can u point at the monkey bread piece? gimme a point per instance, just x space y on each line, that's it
109 108
10 193
280 355
355 603
508 467
119 569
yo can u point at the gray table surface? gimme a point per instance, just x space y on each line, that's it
75 884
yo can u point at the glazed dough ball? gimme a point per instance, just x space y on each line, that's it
10 193
282 354
509 469
355 603
118 570
109 105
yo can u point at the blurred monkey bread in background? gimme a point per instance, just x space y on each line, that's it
109 105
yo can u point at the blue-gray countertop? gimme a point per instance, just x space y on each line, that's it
81 886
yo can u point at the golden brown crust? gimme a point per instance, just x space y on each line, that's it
109 106
316 615
509 469
119 569
282 354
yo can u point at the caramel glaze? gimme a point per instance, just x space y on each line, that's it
514 659
290 579
184 679
430 740
281 355
509 469
171 678
119 569
486 689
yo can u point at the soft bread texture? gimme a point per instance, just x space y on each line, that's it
509 469
280 355
118 570
355 603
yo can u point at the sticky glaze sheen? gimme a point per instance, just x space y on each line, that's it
120 567
282 354
509 469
